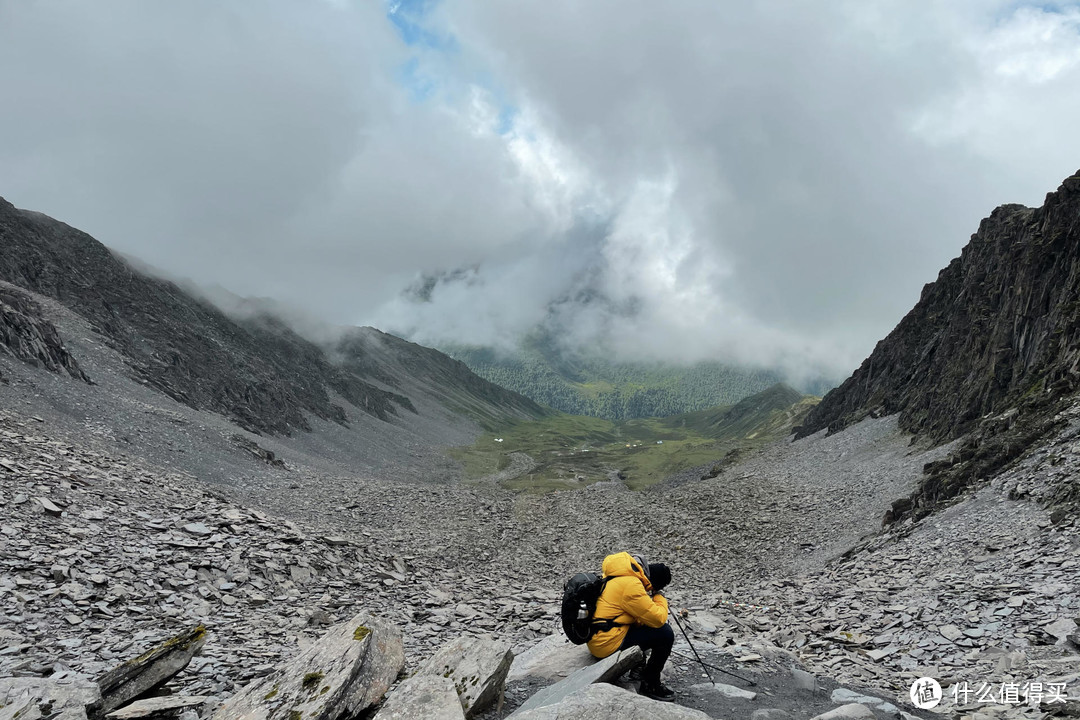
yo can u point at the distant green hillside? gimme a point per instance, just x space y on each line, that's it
563 451
605 389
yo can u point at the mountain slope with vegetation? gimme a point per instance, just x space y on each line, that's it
604 388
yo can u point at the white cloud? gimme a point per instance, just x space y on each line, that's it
762 181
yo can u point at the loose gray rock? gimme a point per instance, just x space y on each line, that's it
602 701
950 632
770 714
851 711
152 706
721 689
601 671
343 673
476 665
31 698
423 696
551 658
131 679
804 680
843 695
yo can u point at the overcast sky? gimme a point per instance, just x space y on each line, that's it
766 182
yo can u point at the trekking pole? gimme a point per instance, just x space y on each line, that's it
714 667
702 662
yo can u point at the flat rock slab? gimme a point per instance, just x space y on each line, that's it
69 698
609 668
729 691
881 654
603 701
552 658
771 714
342 674
1060 629
951 632
152 706
705 622
476 665
851 711
843 695
423 696
135 677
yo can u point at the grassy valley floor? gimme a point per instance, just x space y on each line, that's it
565 451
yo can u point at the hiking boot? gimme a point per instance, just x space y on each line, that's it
657 691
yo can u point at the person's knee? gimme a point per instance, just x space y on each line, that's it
666 635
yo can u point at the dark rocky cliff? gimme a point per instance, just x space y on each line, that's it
257 372
999 330
28 336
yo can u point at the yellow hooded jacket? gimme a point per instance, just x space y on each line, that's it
626 601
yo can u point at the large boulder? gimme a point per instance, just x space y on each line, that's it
135 677
476 665
345 672
57 699
431 697
602 701
601 671
552 658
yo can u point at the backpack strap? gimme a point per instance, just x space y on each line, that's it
604 624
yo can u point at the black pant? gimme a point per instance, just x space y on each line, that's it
659 640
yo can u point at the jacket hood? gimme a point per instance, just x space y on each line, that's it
623 565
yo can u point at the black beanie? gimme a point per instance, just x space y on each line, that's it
659 576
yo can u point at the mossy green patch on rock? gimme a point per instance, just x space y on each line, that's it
183 641
361 632
273 692
311 680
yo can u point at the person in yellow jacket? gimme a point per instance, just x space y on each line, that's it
632 611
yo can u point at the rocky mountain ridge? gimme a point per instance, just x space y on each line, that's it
31 338
997 334
255 371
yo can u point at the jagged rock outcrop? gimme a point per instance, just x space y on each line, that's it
998 329
30 337
1000 322
347 671
133 678
477 666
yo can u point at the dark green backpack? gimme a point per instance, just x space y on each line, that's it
580 594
